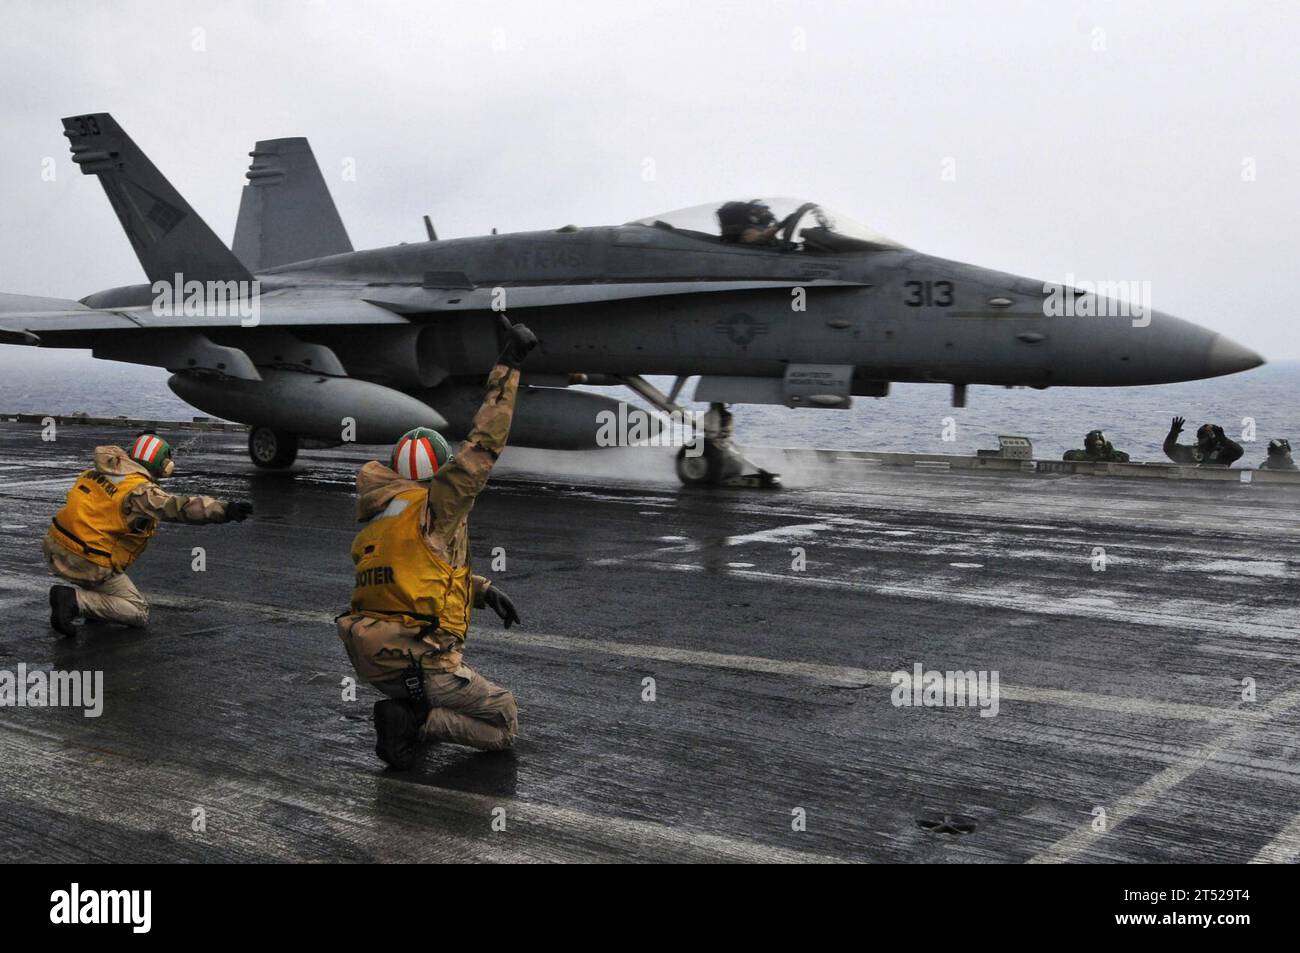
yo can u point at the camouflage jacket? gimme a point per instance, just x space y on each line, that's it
151 500
456 486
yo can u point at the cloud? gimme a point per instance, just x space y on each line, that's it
1116 163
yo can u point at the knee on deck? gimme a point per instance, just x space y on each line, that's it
495 731
137 617
133 613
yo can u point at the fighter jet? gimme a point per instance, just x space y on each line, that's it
766 301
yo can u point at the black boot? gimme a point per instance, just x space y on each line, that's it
397 727
63 610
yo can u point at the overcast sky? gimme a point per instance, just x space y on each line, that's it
1113 141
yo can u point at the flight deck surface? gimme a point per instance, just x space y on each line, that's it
1126 727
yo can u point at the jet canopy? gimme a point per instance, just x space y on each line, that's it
780 224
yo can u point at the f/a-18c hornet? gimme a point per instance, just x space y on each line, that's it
773 301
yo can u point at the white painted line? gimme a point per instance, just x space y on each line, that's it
1120 704
1024 602
1282 849
791 533
1139 799
874 678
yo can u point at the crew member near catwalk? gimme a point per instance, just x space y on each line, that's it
414 590
1213 448
111 513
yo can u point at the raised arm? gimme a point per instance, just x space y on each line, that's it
455 487
1173 450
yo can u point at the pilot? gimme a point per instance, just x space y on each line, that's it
1212 447
110 515
1096 449
1279 456
414 591
748 223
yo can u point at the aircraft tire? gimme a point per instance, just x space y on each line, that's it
272 449
703 470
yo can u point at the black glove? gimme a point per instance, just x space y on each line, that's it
238 510
518 341
1177 426
1218 433
501 604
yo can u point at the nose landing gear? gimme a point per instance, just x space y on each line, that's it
714 459
719 466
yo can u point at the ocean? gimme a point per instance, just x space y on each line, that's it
914 417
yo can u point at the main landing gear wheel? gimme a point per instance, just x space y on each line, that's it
272 449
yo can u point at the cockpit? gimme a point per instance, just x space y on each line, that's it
779 224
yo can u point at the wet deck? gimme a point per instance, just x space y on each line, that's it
1119 690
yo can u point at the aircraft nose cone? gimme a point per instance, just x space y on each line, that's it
1228 357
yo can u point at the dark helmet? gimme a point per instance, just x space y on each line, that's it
1205 433
1279 447
735 217
1095 438
760 214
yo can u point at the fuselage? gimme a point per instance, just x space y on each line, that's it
900 315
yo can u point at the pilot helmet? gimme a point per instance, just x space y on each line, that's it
760 214
420 453
1205 434
1095 439
1279 447
735 217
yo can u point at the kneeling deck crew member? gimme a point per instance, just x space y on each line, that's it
111 513
414 590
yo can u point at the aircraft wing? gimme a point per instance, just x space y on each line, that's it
21 315
25 316
19 311
429 299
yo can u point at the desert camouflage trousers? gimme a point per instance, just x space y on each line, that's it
102 594
464 707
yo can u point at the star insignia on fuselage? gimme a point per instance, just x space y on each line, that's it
741 329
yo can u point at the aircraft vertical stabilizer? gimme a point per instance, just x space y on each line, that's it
286 213
168 236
